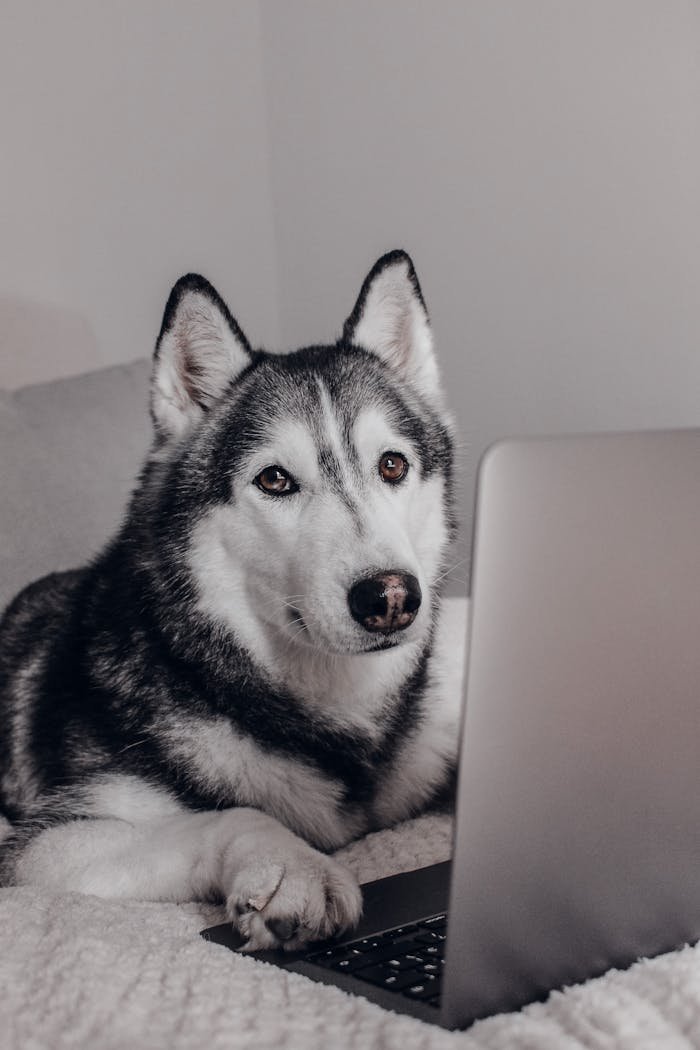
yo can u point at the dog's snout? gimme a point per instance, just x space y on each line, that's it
386 602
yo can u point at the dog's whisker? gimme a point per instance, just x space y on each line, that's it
454 579
451 569
458 563
286 599
136 743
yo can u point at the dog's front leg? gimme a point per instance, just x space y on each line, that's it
278 889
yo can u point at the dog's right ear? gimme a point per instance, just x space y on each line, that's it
199 351
391 321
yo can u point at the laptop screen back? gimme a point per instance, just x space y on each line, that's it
578 819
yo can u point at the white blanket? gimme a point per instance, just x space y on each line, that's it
77 971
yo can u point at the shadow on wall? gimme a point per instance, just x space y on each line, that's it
33 334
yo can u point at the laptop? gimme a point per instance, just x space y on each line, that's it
577 842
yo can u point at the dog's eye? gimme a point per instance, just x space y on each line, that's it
393 467
276 481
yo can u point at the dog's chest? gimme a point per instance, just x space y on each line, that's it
228 767
331 789
326 808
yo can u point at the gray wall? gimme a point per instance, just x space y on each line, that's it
541 162
540 159
133 145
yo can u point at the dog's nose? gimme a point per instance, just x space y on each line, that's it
386 602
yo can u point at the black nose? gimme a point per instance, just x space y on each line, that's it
386 602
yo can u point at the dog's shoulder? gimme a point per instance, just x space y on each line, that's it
35 624
39 609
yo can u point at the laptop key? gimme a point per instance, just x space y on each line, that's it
367 944
378 955
429 937
437 922
405 962
383 977
350 963
400 931
329 957
425 989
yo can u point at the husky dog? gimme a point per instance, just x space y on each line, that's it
250 674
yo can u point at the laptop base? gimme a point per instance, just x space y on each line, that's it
388 903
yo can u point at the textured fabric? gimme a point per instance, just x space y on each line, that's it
79 972
69 453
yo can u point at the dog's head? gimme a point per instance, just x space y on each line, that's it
311 492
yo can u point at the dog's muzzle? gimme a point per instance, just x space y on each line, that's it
386 602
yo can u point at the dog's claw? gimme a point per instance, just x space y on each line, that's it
283 905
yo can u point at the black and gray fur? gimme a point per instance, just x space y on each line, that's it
108 673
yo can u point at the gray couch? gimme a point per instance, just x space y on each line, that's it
69 453
79 972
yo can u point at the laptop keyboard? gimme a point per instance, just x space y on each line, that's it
408 960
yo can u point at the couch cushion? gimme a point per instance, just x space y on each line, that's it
69 453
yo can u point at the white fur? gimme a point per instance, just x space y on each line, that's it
5 828
127 798
20 780
333 437
394 325
320 546
349 691
431 748
199 335
149 850
222 761
260 562
411 514
241 854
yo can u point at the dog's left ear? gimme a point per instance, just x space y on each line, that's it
390 319
200 350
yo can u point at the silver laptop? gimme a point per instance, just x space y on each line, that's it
578 816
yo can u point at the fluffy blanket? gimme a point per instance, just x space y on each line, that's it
76 971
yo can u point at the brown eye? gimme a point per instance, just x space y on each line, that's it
276 481
393 467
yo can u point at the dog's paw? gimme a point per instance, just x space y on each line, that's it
290 899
